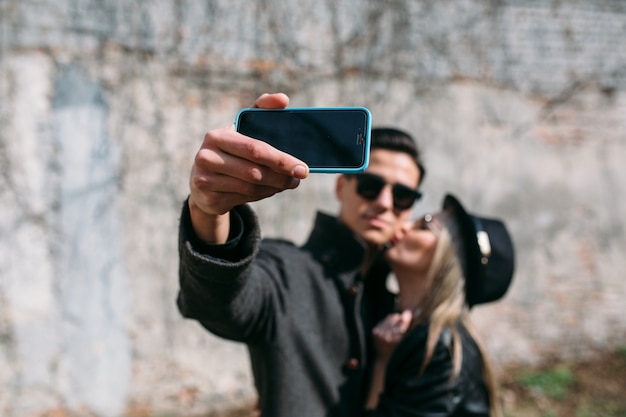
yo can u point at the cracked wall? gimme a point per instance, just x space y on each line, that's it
520 108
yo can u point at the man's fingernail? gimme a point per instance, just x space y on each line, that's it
300 171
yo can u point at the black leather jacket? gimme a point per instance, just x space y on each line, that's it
433 393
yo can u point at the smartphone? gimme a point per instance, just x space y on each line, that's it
332 140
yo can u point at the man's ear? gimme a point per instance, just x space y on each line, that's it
339 185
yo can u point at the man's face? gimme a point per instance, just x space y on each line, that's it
376 220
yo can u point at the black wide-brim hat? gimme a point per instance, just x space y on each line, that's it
489 254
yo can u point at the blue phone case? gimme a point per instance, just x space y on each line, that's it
272 130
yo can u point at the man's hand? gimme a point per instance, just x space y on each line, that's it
232 169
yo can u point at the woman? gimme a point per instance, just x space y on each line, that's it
430 360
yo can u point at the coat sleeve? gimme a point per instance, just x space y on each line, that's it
221 287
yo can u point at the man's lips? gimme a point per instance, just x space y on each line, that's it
377 222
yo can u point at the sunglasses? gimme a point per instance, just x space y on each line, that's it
369 187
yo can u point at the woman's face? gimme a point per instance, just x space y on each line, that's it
414 246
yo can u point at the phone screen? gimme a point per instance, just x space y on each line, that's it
327 139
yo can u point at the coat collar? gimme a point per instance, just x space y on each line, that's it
336 247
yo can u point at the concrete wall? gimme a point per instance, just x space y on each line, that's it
520 107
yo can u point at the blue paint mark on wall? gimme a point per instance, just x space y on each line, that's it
91 283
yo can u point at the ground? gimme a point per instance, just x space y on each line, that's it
593 388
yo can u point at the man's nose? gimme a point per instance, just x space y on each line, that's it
385 198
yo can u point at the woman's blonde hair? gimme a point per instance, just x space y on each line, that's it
445 308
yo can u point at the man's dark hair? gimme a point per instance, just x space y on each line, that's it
397 140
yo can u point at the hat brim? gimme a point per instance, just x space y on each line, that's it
467 229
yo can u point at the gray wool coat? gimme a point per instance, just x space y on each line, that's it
305 313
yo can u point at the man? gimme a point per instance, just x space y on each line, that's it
305 313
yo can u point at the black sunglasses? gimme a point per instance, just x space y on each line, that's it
369 187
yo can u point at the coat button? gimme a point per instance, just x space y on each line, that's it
352 364
353 290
